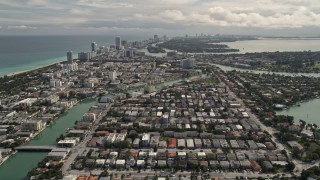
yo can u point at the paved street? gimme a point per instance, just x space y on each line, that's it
82 146
79 148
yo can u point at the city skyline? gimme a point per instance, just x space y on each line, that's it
249 17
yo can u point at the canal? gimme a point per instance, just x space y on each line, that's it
307 111
229 68
18 165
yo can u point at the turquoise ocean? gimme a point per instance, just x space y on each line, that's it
21 53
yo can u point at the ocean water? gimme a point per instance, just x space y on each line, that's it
20 53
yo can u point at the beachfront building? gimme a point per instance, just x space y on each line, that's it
94 46
69 57
86 56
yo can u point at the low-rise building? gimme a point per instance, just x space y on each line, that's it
67 142
190 144
172 143
154 141
120 163
145 140
89 117
34 125
181 143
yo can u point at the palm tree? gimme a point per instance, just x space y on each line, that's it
315 126
302 123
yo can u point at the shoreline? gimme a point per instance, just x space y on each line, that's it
40 131
33 69
8 157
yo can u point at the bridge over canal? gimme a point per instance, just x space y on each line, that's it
35 148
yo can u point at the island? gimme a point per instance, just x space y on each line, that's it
291 62
199 45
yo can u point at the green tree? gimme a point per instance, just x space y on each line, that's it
290 166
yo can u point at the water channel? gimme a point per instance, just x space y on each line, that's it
228 68
18 165
307 111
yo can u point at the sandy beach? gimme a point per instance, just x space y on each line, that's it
20 72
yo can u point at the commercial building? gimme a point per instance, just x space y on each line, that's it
67 143
69 57
86 56
55 83
27 102
72 67
118 42
52 99
188 63
89 117
113 75
94 46
35 125
130 52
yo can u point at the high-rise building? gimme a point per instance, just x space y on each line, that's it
112 75
72 67
124 43
94 46
84 56
187 63
118 42
69 57
130 52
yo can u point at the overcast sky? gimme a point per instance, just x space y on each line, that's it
171 17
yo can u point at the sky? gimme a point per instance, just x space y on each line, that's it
169 17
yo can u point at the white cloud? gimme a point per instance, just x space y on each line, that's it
21 27
103 4
178 2
78 11
173 15
219 16
38 2
164 14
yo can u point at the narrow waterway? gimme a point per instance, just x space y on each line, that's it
228 68
307 111
25 161
17 166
